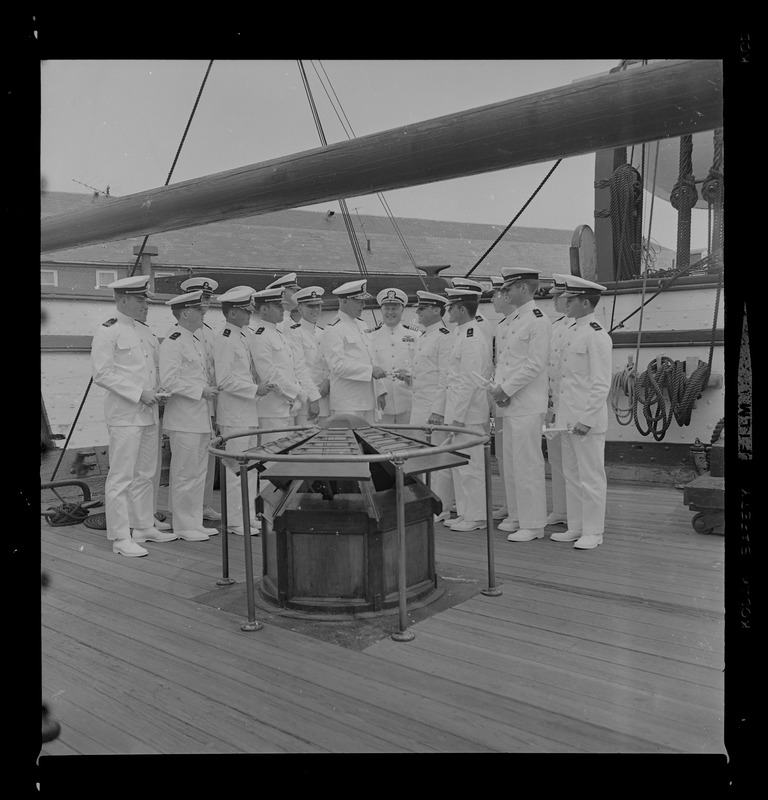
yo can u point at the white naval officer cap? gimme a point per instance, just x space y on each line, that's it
460 295
513 274
187 300
496 282
558 285
207 285
467 283
353 290
288 281
274 295
581 287
309 294
138 285
239 297
392 295
431 299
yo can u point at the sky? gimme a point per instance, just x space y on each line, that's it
119 123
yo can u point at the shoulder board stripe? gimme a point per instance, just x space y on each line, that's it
595 326
443 330
320 328
109 322
259 331
226 331
335 321
537 312
478 318
470 333
175 335
297 325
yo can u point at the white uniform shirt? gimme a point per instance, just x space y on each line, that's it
392 349
465 400
522 352
585 376
206 335
306 337
272 354
184 373
345 346
430 371
124 358
561 327
236 406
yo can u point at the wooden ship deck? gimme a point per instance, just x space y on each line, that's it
614 650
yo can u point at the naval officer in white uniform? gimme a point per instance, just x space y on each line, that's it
429 382
306 336
186 374
124 363
236 407
355 380
393 345
272 353
522 393
289 285
561 326
466 406
582 406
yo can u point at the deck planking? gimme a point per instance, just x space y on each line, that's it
615 650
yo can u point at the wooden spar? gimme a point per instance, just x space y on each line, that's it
656 101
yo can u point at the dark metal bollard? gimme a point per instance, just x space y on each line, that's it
403 635
491 591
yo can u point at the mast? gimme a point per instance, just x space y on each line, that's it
663 99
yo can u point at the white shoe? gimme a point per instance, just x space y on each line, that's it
210 531
241 532
444 517
127 547
211 514
152 535
589 541
469 525
160 522
500 513
509 525
554 519
449 523
565 536
193 536
526 535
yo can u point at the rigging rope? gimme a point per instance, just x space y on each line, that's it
138 258
348 130
503 233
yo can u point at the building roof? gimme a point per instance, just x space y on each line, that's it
313 240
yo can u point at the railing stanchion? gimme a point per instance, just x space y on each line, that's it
491 591
252 624
403 635
225 580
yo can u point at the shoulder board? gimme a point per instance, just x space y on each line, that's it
537 312
411 327
175 335
470 333
259 331
595 326
109 322
335 321
226 331
142 323
443 330
478 318
297 325
371 330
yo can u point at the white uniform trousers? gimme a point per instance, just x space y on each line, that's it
368 416
210 477
585 482
397 419
555 457
441 480
524 473
234 489
156 479
189 466
469 480
128 490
